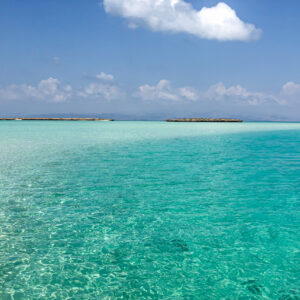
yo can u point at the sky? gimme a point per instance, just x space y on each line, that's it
150 59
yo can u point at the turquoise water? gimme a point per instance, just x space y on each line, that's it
149 210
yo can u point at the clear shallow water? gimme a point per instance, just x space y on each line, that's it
153 210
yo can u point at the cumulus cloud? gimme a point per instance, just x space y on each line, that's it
105 77
218 92
102 87
219 22
52 90
164 91
100 90
160 91
291 88
188 93
290 92
49 89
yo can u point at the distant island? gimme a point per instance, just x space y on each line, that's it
54 119
106 119
203 120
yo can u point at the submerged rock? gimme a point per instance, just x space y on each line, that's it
180 244
253 287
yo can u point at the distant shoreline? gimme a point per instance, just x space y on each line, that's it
195 120
54 119
203 120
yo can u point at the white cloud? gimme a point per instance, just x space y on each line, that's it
219 22
53 90
105 89
50 90
218 92
160 91
188 93
290 92
291 88
238 93
164 91
100 90
105 77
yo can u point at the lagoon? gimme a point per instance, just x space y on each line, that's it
149 210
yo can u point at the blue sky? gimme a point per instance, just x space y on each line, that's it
161 59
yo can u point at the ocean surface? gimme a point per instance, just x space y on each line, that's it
149 210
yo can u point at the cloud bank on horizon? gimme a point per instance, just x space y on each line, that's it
218 92
219 22
104 88
155 98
